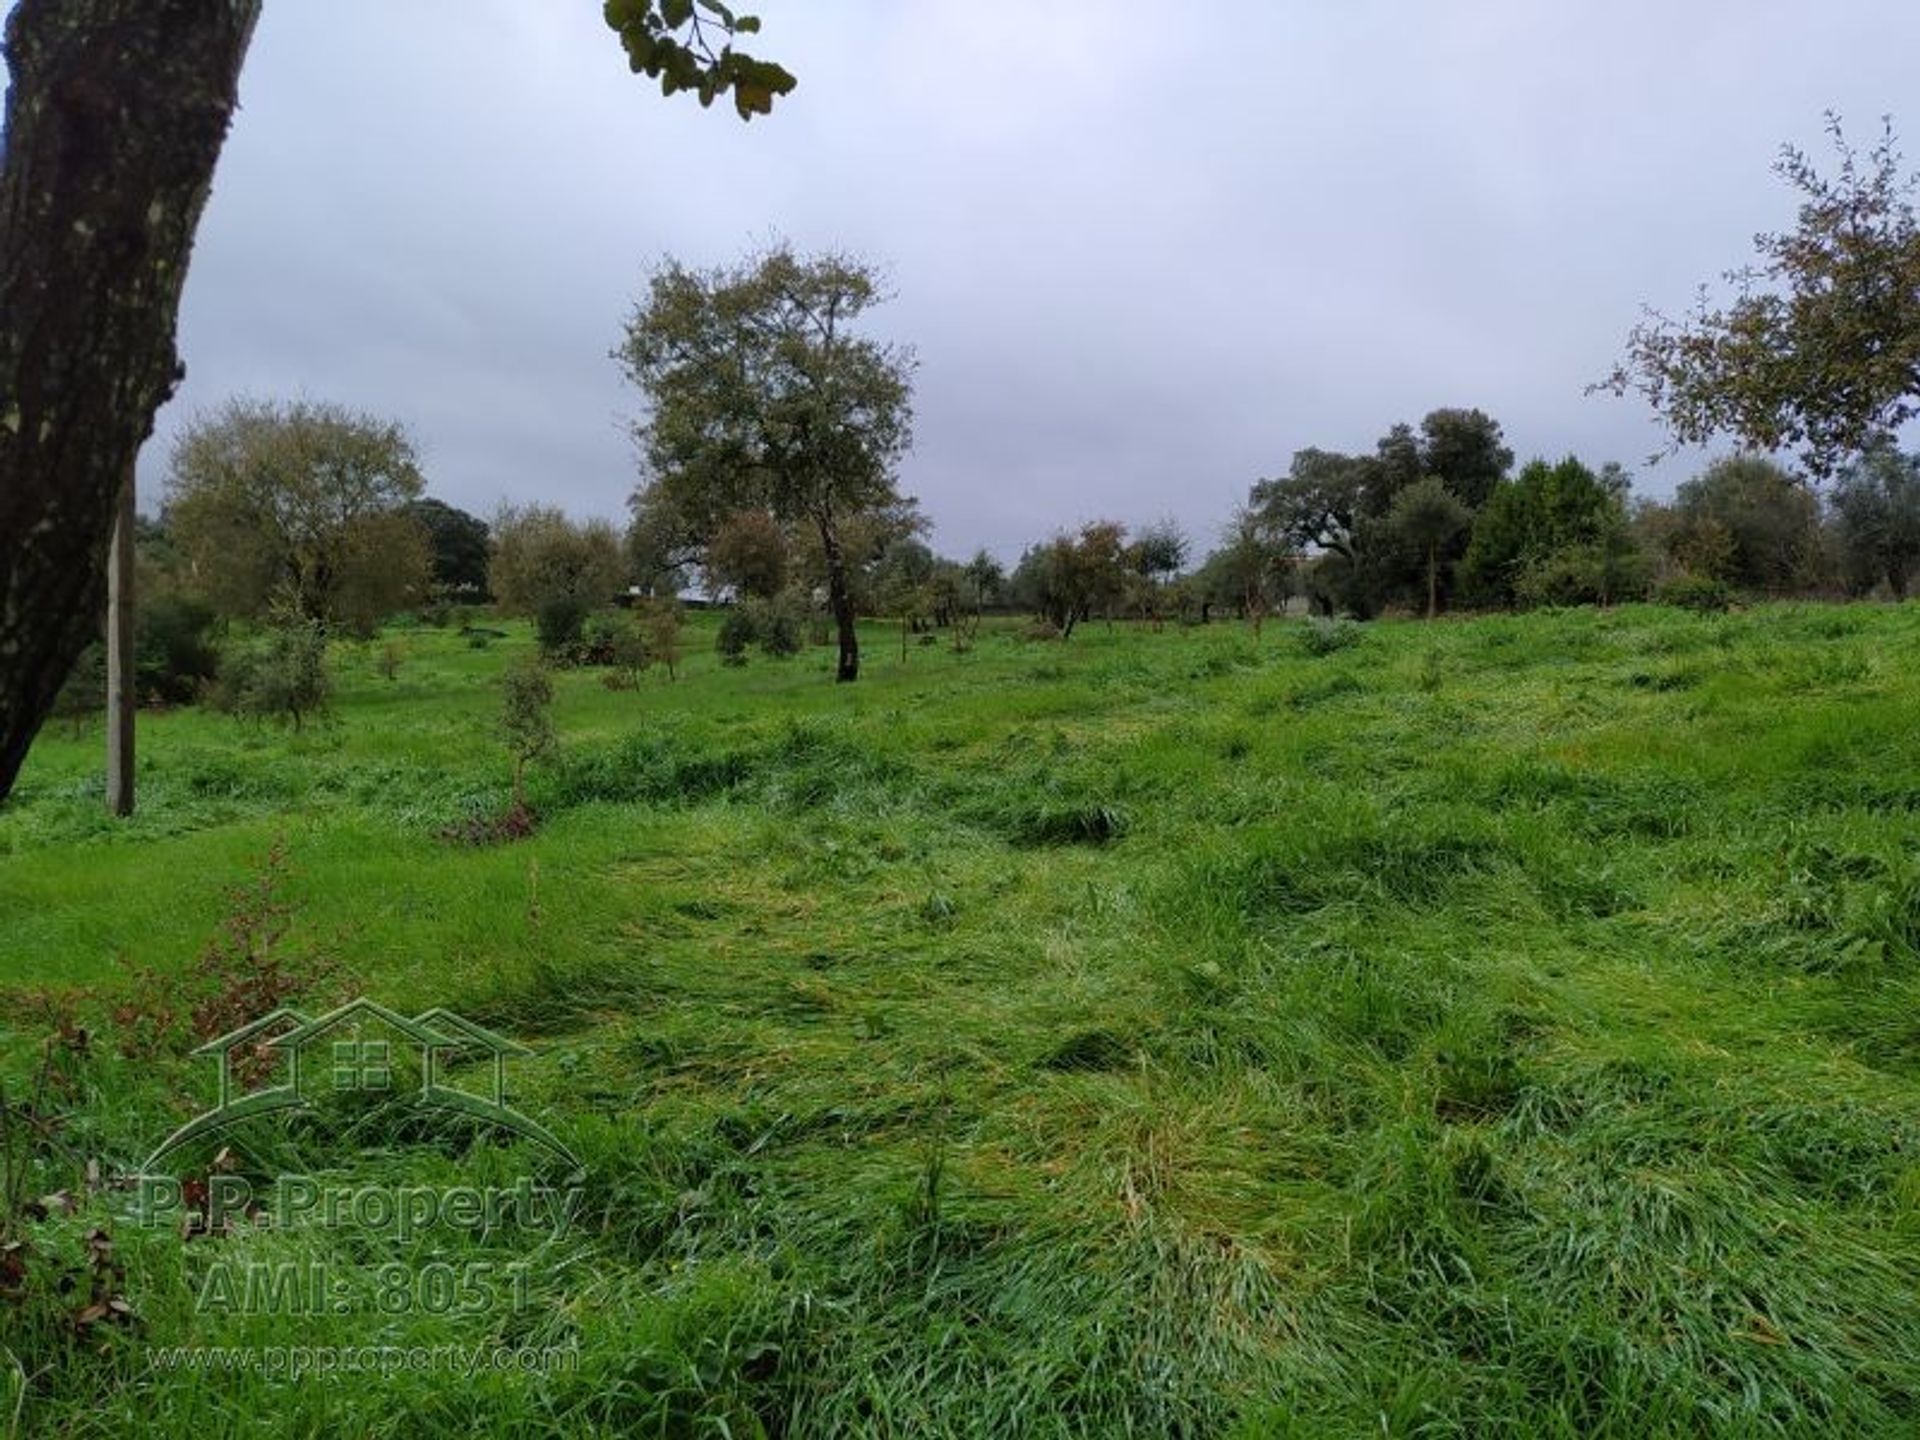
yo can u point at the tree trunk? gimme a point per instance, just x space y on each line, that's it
114 122
840 601
121 679
1433 581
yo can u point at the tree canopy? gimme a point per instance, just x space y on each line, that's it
460 546
763 394
307 505
1337 507
1749 522
1554 532
556 570
674 41
1819 351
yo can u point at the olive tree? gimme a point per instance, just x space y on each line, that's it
526 720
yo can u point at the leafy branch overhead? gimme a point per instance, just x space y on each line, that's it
673 41
1819 351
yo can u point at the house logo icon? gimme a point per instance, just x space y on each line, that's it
282 1062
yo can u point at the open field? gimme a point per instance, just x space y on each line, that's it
1498 1027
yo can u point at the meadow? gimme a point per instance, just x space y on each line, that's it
1497 1027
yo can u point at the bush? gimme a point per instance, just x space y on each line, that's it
660 622
1322 636
623 649
175 655
526 720
1567 577
1700 593
600 641
1581 575
281 676
779 624
175 659
737 632
558 621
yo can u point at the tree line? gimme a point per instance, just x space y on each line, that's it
306 520
773 425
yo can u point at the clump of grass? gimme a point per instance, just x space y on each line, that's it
1321 636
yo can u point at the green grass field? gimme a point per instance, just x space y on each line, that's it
1502 1027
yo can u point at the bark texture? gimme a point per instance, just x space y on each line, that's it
122 691
114 122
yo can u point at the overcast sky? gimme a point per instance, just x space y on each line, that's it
1144 251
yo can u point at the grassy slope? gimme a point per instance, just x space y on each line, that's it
1504 1027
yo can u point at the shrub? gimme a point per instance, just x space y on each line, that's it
600 640
660 623
526 720
737 632
175 660
175 653
84 694
281 676
1323 637
558 621
779 624
1567 577
1700 593
624 650
1581 575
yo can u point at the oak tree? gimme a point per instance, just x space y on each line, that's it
763 393
460 545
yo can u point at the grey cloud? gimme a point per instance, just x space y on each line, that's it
1143 259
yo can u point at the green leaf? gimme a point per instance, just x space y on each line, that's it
642 52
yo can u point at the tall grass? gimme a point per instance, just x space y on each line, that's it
1503 1027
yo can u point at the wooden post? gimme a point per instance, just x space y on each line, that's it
120 673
